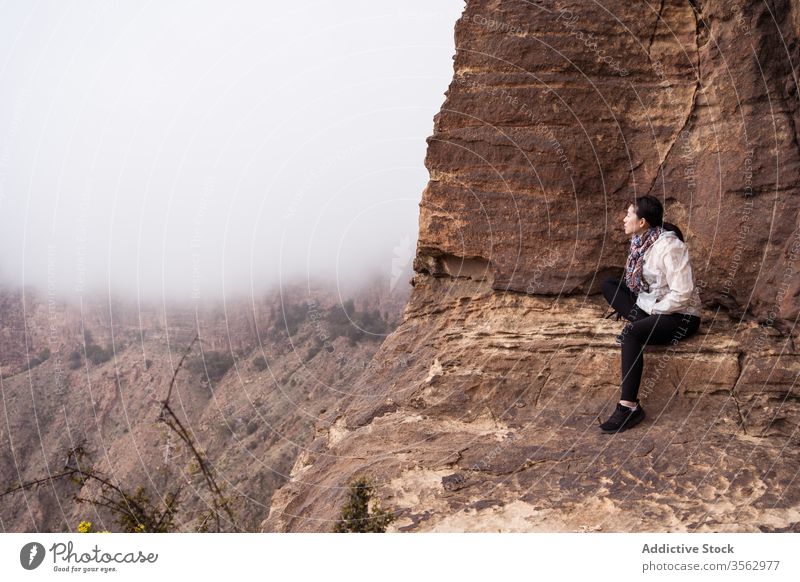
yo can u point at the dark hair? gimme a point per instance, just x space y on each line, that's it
649 208
673 228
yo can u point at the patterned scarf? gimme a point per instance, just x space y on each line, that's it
633 269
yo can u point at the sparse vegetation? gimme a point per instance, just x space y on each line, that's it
260 363
293 316
345 321
135 511
94 353
75 360
40 358
315 348
357 516
97 355
213 364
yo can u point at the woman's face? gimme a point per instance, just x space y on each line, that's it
634 224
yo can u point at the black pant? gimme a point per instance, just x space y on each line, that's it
643 329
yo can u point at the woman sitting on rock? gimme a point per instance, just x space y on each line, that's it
657 296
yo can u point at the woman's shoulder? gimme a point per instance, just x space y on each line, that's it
665 240
667 243
669 239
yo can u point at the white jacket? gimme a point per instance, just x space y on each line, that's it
669 272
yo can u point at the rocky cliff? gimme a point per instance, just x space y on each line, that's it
480 412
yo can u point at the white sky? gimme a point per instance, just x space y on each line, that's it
185 149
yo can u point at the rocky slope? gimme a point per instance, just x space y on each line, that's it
479 412
93 375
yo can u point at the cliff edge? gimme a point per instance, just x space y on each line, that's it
480 412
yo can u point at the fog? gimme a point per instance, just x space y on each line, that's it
194 150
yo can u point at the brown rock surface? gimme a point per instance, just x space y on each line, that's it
479 412
542 143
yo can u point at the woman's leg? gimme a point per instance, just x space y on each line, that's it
654 329
622 299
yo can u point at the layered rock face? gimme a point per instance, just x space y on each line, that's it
560 113
480 412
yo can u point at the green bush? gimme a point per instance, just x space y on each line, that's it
357 516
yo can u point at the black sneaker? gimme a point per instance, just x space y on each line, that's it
623 418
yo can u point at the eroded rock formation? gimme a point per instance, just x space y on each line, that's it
558 114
